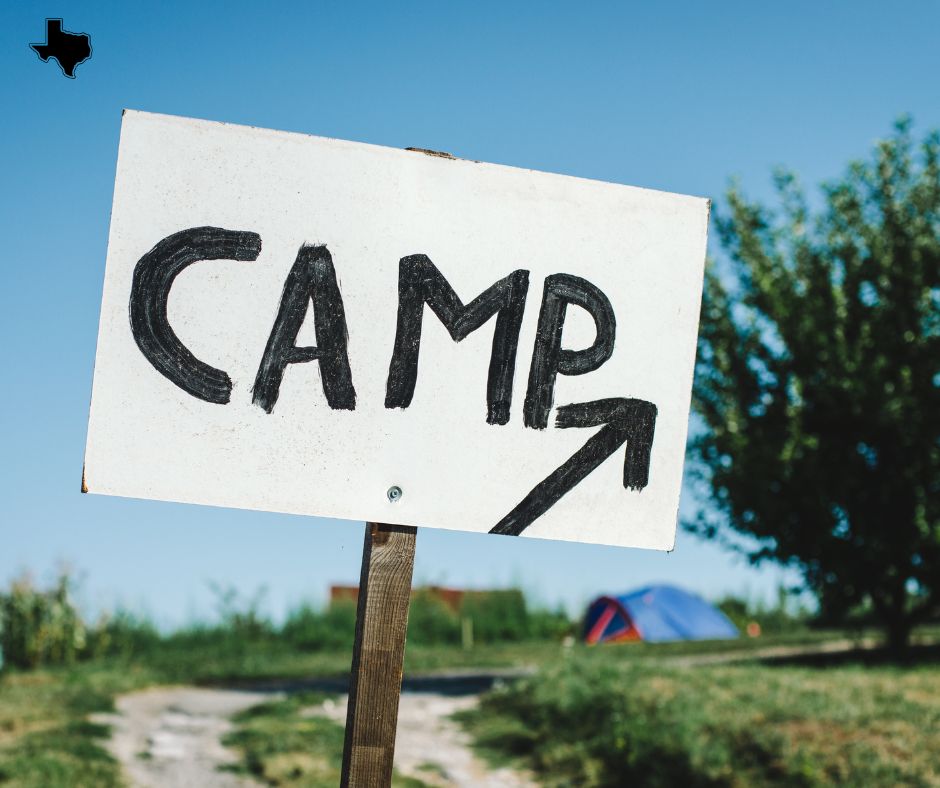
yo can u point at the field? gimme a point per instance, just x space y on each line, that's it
588 716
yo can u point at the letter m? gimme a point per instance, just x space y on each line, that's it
420 282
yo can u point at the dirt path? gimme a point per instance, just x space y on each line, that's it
433 748
171 736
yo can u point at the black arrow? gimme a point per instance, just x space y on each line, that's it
630 421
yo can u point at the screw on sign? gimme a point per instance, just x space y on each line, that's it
304 325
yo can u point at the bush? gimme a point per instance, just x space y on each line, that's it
309 629
550 624
39 627
122 634
494 616
431 621
497 615
240 618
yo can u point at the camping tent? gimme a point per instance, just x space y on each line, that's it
655 614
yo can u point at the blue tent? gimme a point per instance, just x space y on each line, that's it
655 614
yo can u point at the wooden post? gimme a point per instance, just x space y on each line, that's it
388 557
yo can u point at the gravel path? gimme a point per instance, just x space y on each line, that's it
171 736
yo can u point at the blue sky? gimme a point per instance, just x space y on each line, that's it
674 96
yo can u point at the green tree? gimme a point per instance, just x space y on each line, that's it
818 384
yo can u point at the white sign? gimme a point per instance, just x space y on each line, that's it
307 325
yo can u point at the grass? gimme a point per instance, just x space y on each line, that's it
46 740
598 719
283 747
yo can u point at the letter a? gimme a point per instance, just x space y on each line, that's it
311 279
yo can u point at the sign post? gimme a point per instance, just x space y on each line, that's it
318 327
375 680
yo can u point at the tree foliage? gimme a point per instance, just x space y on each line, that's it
818 383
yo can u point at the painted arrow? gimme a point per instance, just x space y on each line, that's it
630 421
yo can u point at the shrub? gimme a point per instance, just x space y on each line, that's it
497 615
122 634
40 627
309 629
431 621
241 618
549 624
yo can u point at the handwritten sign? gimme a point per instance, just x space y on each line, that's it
307 325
